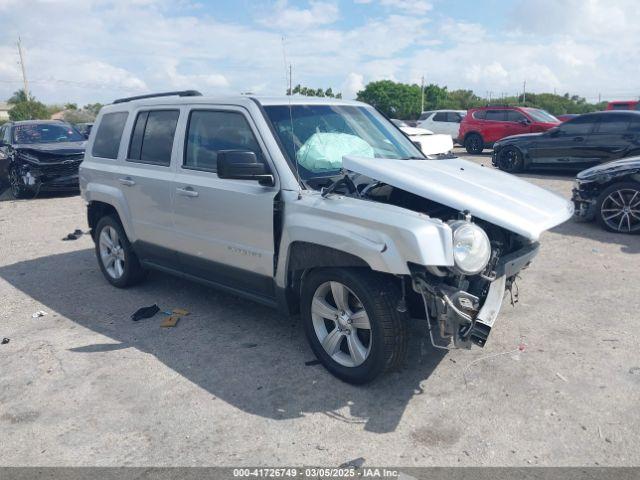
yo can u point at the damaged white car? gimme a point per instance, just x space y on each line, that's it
430 143
320 207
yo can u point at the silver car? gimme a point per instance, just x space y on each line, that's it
319 207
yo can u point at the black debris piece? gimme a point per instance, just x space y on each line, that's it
249 345
145 312
5 340
310 363
355 463
76 234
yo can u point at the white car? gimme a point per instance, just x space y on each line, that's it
442 121
430 143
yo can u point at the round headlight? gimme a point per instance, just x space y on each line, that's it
471 247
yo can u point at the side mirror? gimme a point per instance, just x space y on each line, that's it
243 165
524 122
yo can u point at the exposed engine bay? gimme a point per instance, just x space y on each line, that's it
459 306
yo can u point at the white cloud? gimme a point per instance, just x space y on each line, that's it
352 85
285 17
419 7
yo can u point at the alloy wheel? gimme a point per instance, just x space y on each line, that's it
341 324
620 210
111 252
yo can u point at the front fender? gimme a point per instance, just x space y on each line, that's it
384 236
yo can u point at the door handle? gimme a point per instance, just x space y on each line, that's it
187 192
578 139
127 182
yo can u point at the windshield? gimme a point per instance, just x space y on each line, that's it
323 134
541 115
46 133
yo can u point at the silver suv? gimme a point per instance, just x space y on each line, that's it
318 207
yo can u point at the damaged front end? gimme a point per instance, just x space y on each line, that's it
46 171
464 308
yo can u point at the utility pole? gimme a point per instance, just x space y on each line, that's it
24 71
290 79
599 97
524 93
422 95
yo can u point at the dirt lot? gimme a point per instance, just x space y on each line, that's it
84 385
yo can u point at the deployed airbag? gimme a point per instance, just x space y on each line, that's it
324 151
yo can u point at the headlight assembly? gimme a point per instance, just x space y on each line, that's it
471 247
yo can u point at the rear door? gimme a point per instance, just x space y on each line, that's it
494 125
566 145
224 227
611 137
146 179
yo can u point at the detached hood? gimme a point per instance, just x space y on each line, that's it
57 148
494 196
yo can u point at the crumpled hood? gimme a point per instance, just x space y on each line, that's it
56 148
494 196
629 163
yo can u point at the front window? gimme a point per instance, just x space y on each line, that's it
539 115
316 137
46 133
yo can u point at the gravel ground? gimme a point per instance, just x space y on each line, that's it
84 385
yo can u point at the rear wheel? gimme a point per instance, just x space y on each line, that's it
351 321
618 208
510 160
117 260
474 143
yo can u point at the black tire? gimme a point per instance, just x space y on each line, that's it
18 188
474 143
133 272
511 160
379 296
629 192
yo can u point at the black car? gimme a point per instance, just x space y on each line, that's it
576 144
40 155
84 128
611 194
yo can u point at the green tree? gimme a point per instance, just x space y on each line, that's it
397 100
313 92
93 108
71 106
30 110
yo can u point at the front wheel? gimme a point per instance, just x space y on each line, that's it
474 143
18 188
618 208
510 160
352 323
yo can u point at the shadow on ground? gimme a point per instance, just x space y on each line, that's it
240 352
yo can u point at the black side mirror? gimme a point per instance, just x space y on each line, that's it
243 165
524 121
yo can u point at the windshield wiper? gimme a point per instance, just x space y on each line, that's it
344 181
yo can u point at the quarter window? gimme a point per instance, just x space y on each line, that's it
480 114
152 137
107 141
210 132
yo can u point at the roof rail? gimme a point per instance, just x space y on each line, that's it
179 93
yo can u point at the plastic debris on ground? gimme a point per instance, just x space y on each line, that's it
5 340
76 234
39 313
145 312
174 317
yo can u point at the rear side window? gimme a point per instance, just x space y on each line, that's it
634 125
212 131
615 123
480 114
496 115
152 137
440 117
109 134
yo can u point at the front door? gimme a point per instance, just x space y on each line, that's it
566 145
224 227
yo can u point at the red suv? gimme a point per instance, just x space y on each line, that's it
481 127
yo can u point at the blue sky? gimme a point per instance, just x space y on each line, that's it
98 50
